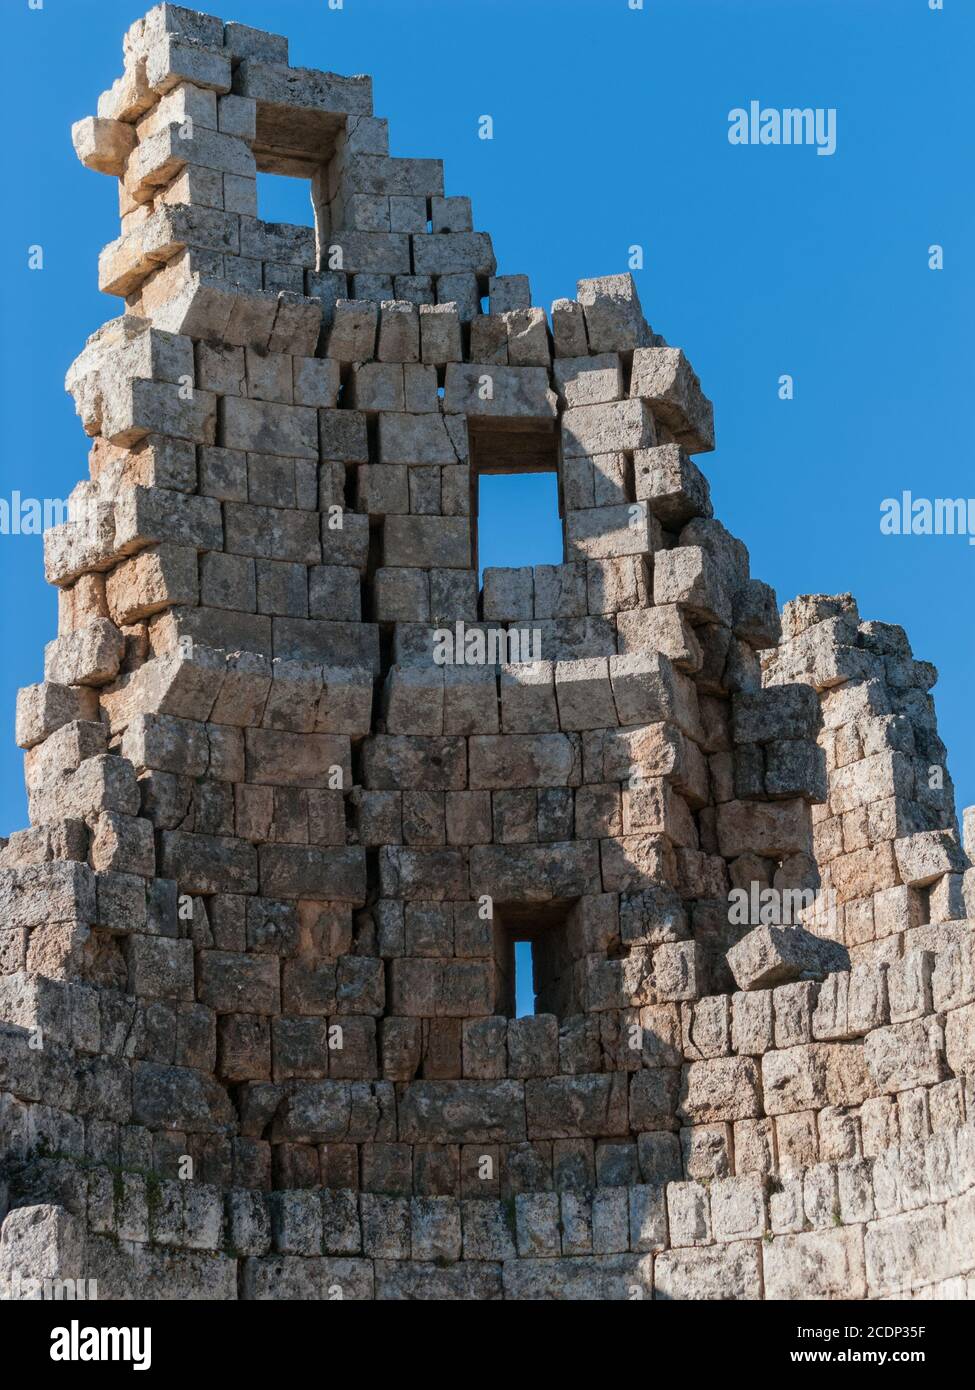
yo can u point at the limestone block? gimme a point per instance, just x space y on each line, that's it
160 968
570 1106
687 576
269 428
906 1055
90 656
148 516
237 116
533 1044
720 1088
470 700
534 873
663 629
795 768
946 899
123 844
569 328
584 694
959 1047
172 59
610 1220
613 316
84 543
664 378
818 1264
647 690
439 254
188 684
245 42
537 1225
589 380
63 751
526 332
105 783
738 1208
42 893
484 389
904 1250
269 376
44 708
590 1278
103 145
160 157
768 956
782 712
909 985
774 829
39 1243
178 1098
415 439
756 616
399 332
606 532
508 293
402 595
751 1028
307 89
428 764
968 823
315 381
508 594
515 761
413 700
926 856
433 874
709 1272
151 581
461 288
560 591
208 863
656 750
450 214
382 490
611 427
672 484
422 541
202 29
373 258
870 779
440 338
528 697
352 337
462 1111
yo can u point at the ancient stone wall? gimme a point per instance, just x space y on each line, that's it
298 786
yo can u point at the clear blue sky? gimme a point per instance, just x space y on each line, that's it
610 129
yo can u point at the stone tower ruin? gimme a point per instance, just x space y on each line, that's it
298 786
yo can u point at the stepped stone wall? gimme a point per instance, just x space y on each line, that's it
298 784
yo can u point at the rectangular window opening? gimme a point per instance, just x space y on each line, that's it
285 198
515 503
535 968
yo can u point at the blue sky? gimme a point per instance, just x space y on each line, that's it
610 129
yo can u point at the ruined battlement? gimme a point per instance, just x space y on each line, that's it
298 784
